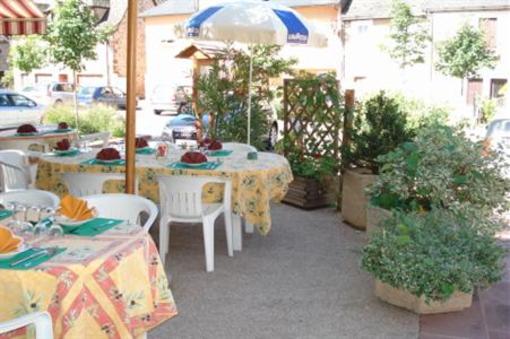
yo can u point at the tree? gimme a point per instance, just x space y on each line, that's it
27 54
465 54
72 36
408 34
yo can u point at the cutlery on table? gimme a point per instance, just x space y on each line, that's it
47 251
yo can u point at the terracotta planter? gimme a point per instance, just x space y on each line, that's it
375 215
309 193
354 198
401 298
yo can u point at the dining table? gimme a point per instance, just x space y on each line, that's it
44 140
110 285
255 182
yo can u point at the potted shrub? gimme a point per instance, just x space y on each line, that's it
442 168
380 125
431 262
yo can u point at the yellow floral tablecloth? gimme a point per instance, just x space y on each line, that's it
44 141
254 182
109 286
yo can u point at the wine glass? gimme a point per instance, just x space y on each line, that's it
55 230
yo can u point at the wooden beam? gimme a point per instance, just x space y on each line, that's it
131 97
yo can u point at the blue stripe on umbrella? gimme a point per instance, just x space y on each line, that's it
297 33
193 27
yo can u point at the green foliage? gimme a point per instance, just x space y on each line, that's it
408 34
27 53
488 110
7 80
98 118
442 168
380 125
72 34
421 114
433 255
223 92
465 54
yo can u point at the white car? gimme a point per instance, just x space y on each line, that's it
498 134
17 109
54 93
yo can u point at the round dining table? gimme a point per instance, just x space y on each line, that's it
44 140
255 183
110 285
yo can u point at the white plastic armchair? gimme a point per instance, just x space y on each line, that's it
82 184
88 138
14 170
41 321
124 206
238 147
30 197
181 201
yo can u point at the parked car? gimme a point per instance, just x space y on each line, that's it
182 128
498 134
17 109
50 94
171 98
107 95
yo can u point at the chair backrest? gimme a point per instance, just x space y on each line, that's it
41 320
124 206
14 171
238 147
82 184
88 138
30 197
181 196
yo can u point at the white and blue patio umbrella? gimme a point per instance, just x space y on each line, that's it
253 22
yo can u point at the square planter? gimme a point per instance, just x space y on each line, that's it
354 199
309 193
401 298
375 215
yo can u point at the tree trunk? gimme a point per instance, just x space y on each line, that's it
75 100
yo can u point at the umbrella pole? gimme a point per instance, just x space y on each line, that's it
131 97
250 77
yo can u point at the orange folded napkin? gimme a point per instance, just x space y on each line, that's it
8 241
75 208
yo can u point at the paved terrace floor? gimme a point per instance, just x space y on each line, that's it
303 281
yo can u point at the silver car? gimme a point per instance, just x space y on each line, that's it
17 109
53 93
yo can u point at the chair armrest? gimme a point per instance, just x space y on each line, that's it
41 320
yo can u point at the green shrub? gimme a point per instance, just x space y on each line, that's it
380 125
488 110
433 255
421 114
97 118
442 168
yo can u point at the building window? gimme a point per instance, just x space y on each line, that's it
488 27
474 90
496 87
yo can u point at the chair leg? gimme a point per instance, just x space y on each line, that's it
164 230
208 230
237 233
228 231
249 228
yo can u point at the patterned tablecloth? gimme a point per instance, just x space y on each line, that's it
108 286
254 182
46 138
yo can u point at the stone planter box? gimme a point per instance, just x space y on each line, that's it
354 199
308 193
401 298
375 215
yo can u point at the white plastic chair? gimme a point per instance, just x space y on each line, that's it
88 138
124 206
14 170
41 321
238 147
181 201
82 184
30 197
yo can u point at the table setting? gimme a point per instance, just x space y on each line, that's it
89 275
40 138
257 179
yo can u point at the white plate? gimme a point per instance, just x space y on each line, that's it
64 221
21 248
194 165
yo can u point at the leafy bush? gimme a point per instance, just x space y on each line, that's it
442 168
97 118
380 125
488 110
421 114
432 254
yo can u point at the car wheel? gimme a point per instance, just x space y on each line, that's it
157 111
273 136
58 102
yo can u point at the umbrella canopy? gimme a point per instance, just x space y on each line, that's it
253 22
21 17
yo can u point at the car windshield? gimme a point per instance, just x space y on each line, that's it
86 91
186 120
